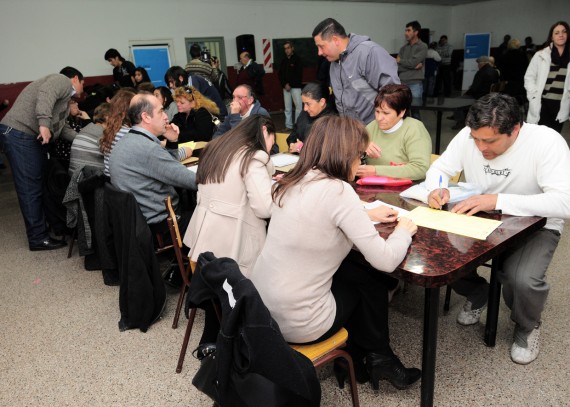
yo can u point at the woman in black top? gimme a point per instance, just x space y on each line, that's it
196 115
314 97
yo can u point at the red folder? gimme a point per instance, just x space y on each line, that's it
379 180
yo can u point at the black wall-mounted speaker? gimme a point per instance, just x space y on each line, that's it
245 42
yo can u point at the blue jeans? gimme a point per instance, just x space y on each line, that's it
27 158
294 96
417 89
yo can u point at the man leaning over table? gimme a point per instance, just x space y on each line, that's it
523 170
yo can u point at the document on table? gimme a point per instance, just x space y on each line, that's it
191 144
377 203
283 160
470 226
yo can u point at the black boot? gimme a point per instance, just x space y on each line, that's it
340 370
389 367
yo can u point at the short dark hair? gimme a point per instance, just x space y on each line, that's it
195 51
71 72
173 73
113 53
166 95
329 27
316 90
397 97
496 110
416 26
139 104
288 42
442 37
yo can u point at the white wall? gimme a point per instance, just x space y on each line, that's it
42 36
519 18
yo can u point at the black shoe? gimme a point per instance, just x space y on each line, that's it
48 244
340 370
382 367
172 277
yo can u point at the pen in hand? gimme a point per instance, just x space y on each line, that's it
440 194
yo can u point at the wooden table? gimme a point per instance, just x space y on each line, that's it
437 258
444 105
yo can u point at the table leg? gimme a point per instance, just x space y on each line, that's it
438 132
493 304
431 308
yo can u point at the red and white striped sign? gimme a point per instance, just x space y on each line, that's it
267 55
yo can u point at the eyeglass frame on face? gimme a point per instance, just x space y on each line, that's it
240 97
363 158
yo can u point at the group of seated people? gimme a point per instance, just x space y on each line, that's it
311 289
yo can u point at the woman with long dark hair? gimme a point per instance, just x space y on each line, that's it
165 97
234 193
547 81
302 275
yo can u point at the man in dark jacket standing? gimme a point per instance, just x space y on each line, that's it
486 76
251 73
291 78
38 115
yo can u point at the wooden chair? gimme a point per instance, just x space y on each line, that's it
180 257
455 179
327 351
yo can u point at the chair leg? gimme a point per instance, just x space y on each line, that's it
71 242
447 299
353 388
183 290
186 339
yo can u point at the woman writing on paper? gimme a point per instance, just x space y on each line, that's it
195 115
314 97
310 289
401 145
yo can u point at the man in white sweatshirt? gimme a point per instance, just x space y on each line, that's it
524 170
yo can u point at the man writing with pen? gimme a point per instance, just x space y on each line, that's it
523 170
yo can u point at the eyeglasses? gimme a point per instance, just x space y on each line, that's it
363 158
188 89
240 97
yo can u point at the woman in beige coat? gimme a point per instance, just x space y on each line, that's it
234 194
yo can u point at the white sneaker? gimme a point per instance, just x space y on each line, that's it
523 356
469 316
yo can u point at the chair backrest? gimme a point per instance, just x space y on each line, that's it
281 141
455 178
176 239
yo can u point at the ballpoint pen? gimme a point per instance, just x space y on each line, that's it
440 193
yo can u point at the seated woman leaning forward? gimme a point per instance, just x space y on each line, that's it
401 145
234 199
314 97
302 275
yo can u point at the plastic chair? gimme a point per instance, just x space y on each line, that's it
327 351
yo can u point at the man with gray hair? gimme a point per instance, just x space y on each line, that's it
359 68
138 163
523 170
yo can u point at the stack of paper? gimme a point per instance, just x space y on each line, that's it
283 160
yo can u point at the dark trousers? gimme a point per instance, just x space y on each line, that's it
361 296
548 112
444 78
27 157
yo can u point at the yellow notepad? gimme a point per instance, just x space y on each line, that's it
190 144
470 226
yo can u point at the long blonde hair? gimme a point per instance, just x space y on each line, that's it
190 93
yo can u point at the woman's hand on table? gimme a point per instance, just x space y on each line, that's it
365 171
407 224
373 151
382 214
296 147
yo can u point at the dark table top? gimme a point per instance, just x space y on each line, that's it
436 258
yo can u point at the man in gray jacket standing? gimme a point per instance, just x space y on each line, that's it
359 68
38 115
411 63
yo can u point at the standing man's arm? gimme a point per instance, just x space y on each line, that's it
380 68
57 87
417 57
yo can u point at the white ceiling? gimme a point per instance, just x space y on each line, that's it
434 2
